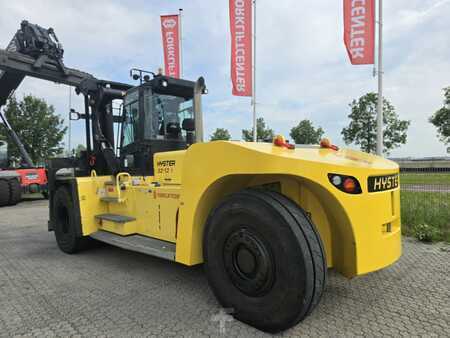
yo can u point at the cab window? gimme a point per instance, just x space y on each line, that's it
165 115
131 117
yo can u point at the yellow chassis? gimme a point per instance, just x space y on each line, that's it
360 232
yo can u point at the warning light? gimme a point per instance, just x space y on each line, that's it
326 143
280 141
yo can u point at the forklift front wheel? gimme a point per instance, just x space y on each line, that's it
65 222
15 192
4 192
264 259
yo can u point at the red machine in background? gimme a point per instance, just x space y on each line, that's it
14 182
33 180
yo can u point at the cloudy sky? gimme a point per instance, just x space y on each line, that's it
302 65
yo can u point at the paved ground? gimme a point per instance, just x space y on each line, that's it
112 292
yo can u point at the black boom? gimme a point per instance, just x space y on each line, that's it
36 52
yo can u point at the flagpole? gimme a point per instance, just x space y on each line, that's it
380 81
180 11
255 131
70 124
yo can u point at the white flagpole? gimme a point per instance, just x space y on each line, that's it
70 124
255 132
380 81
180 11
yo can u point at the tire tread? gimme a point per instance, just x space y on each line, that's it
314 242
4 192
15 191
76 244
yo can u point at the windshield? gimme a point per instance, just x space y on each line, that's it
165 115
161 117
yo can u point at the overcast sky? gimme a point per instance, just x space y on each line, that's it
302 66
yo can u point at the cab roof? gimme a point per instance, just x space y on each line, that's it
176 87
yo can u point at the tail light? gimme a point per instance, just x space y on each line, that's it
347 184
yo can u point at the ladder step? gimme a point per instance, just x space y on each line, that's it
109 199
138 243
115 218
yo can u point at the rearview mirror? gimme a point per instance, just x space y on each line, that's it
73 115
188 125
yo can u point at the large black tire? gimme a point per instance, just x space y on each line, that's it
65 223
15 191
4 192
264 259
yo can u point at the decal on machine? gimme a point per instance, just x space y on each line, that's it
382 183
168 195
165 166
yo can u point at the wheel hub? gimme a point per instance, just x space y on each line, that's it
248 263
245 261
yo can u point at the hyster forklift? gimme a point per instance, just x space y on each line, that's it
266 219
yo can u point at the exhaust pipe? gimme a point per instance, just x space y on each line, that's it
199 90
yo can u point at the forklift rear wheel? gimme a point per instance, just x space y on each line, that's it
65 223
4 192
264 259
15 192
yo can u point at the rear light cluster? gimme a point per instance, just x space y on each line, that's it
347 184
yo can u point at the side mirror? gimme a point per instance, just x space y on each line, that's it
173 128
73 115
188 125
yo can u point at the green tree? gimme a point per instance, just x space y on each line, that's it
39 128
305 133
264 133
220 134
441 119
362 129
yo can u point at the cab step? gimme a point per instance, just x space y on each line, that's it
109 199
115 218
138 243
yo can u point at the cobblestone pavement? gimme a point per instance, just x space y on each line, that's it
112 292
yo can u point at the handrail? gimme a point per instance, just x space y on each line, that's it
119 175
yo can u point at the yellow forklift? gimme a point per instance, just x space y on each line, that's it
266 219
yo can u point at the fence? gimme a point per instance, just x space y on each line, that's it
425 198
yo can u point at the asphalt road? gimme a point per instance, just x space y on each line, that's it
111 292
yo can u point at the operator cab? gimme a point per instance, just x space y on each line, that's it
158 116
